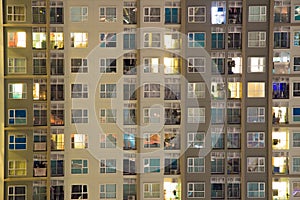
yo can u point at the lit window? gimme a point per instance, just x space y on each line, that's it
171 65
151 190
196 115
196 90
151 165
107 14
196 65
255 164
108 40
79 141
218 12
152 115
79 65
152 40
196 140
152 140
17 65
172 40
79 116
16 39
39 89
196 190
57 139
256 64
17 192
257 39
234 88
108 191
17 91
197 14
257 13
56 38
255 114
108 116
151 14
57 114
79 166
234 63
108 65
17 142
255 189
79 192
79 91
196 165
255 139
108 166
151 90
296 114
196 40
79 40
17 116
39 38
79 14
151 65
16 13
256 89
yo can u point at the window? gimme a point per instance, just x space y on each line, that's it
39 165
17 192
151 14
296 139
234 38
57 63
39 63
79 14
16 39
196 115
172 40
196 65
17 65
295 188
107 14
297 13
297 38
172 14
196 190
197 14
172 65
217 162
171 139
282 38
17 142
79 90
152 140
79 40
233 188
218 64
217 138
233 138
79 141
57 165
79 192
196 40
151 65
234 86
57 116
235 63
129 13
108 191
296 164
171 165
79 65
17 168
57 89
233 163
282 11
79 116
57 12
152 40
129 139
129 188
296 89
57 139
151 190
17 116
108 116
296 114
108 91
235 12
129 116
108 40
16 13
255 114
256 64
218 12
255 189
255 139
256 89
39 38
257 39
40 114
151 90
129 39
218 91
172 113
79 166
255 164
38 12
129 162
129 91
56 38
217 38
196 140
196 165
39 190
296 64
217 188
196 90
108 140
108 166
17 90
108 65
257 14
151 165
217 113
129 66
151 115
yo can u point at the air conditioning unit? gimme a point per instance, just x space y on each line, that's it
131 197
173 171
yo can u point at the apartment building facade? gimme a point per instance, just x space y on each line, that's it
153 99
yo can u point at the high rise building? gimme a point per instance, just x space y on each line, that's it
144 100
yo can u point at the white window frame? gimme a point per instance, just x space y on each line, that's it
82 68
259 190
260 114
13 170
256 137
104 118
261 16
150 115
83 15
150 40
193 67
12 65
147 17
13 195
196 115
13 90
256 164
256 64
81 92
191 190
193 17
261 42
84 118
82 193
193 167
104 17
259 89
